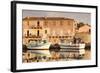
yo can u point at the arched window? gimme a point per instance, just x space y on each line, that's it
38 23
37 32
45 31
89 30
46 23
54 22
27 33
61 24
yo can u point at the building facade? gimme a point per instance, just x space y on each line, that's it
51 29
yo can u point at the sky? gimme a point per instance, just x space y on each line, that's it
80 17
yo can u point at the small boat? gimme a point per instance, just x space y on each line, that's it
39 48
77 50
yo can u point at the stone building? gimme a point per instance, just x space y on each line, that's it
51 29
86 27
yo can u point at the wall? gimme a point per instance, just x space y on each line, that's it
5 36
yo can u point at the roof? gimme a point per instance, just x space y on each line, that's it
49 18
84 28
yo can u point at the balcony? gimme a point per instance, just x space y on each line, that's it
35 27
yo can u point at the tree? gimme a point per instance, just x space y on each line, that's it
80 24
